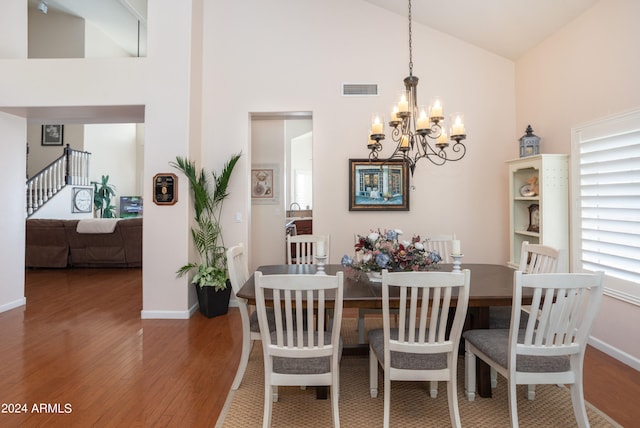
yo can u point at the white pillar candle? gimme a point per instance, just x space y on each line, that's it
455 247
403 104
423 121
377 126
458 127
320 249
436 109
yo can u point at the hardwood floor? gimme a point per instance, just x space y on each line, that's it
79 355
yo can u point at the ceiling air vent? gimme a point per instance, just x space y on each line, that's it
359 89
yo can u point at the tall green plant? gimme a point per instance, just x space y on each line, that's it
208 198
102 193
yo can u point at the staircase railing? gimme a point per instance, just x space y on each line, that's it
70 168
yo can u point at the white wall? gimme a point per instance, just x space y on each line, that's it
46 40
113 153
586 71
12 245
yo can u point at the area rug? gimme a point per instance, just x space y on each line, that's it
411 405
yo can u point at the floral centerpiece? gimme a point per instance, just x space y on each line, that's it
384 250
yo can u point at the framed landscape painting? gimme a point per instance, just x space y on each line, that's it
378 185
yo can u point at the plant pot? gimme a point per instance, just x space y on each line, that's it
374 276
213 303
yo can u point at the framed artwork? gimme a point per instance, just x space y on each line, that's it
378 185
265 184
52 135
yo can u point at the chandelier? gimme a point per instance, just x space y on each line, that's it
418 132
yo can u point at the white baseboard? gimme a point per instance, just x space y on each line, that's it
177 315
614 352
12 305
167 315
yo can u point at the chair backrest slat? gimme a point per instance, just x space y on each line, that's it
441 244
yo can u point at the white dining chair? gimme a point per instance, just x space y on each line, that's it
534 258
238 275
550 349
302 350
420 348
301 249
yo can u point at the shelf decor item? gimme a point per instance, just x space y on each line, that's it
529 143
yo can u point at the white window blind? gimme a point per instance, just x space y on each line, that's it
608 206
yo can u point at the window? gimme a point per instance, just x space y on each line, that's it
606 189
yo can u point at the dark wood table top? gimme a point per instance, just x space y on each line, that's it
491 285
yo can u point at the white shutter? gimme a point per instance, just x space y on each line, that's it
608 199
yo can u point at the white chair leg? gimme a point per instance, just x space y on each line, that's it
274 393
433 388
531 392
494 378
469 374
373 374
266 417
513 404
452 396
334 407
360 326
244 359
387 399
577 399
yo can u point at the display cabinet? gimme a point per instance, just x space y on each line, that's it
539 205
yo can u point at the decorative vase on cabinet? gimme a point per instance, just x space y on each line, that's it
539 205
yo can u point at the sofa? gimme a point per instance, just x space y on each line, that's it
52 243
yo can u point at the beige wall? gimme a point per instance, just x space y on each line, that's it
587 71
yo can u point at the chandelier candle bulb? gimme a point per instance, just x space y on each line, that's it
436 109
455 247
377 127
403 104
423 120
394 114
405 142
458 127
442 139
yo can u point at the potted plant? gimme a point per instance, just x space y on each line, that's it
102 193
211 278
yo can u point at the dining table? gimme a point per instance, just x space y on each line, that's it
490 285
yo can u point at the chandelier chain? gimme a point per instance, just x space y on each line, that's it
410 47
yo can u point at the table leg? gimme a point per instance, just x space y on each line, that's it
479 318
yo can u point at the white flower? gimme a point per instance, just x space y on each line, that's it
419 246
367 257
406 243
398 231
373 237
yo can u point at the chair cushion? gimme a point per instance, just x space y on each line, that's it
254 325
500 317
405 360
316 365
495 343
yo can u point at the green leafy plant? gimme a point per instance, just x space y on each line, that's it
102 193
208 198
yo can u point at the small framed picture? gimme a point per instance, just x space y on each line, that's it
52 135
378 185
265 184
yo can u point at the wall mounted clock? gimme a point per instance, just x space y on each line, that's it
82 200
